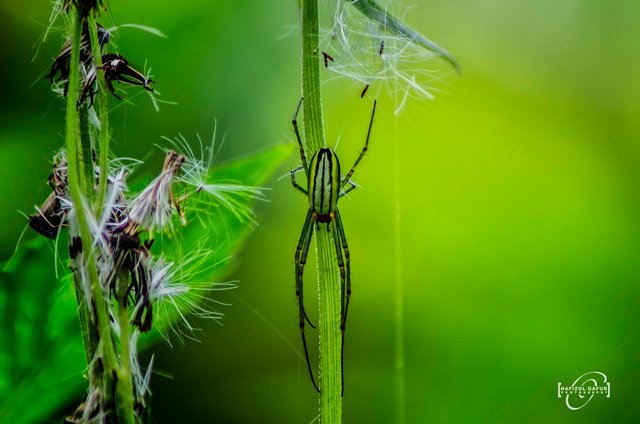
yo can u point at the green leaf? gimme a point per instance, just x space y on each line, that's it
375 12
41 354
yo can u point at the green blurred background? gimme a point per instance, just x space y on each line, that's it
519 206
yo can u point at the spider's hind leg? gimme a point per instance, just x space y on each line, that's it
338 236
347 259
300 260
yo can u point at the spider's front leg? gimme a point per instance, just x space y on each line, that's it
365 147
294 122
352 186
295 183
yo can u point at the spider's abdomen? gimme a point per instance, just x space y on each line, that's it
324 182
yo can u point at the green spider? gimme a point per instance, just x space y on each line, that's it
324 187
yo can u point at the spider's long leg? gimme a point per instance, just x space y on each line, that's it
295 183
347 259
302 190
352 186
364 149
336 240
294 121
300 260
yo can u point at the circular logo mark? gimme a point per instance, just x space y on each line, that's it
580 393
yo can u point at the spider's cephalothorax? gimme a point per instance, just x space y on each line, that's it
325 186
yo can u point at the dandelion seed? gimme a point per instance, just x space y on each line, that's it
89 411
364 90
196 173
153 207
141 380
145 28
181 290
372 54
327 58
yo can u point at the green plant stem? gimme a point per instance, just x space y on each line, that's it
328 275
399 354
72 135
313 122
86 158
89 336
125 383
102 101
329 327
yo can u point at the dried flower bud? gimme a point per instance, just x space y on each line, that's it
59 71
51 216
116 68
152 208
84 6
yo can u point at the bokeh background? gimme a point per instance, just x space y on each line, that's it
519 206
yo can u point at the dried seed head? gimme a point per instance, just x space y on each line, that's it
140 379
153 207
59 72
381 55
116 68
50 217
197 174
84 6
181 290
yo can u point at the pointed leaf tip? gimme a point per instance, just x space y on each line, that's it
376 13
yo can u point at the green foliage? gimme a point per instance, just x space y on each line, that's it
41 355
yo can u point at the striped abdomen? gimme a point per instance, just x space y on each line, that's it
324 183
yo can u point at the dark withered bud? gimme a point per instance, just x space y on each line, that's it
50 216
126 242
143 314
48 219
75 247
83 6
60 68
116 68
